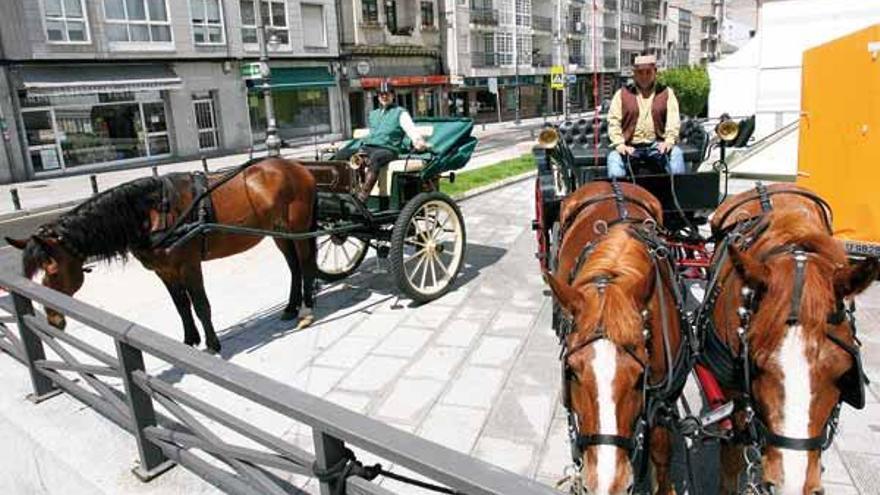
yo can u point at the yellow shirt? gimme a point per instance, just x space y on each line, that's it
644 132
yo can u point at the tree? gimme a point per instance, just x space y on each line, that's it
691 87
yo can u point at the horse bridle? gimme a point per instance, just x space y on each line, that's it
654 397
758 434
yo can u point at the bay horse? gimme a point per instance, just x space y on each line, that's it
621 335
779 335
268 194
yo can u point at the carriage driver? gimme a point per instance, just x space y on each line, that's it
643 122
388 125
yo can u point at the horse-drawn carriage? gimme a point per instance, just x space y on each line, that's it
643 298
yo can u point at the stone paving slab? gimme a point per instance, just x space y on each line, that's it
476 370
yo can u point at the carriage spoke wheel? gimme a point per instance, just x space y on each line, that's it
339 256
427 246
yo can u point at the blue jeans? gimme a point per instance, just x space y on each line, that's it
675 164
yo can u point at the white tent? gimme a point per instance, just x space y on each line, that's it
764 77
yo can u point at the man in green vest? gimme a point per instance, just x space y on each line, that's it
643 123
389 124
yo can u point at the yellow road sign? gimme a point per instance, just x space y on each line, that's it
557 77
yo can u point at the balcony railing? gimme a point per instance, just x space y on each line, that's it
484 59
609 34
542 23
485 17
576 59
542 60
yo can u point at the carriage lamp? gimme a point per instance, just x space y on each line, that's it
726 130
548 138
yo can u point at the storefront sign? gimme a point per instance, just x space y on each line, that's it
456 80
557 77
374 82
572 79
251 71
363 68
493 85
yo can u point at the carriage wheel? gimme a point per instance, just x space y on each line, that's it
339 256
427 246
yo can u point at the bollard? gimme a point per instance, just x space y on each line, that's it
205 164
251 153
532 133
94 180
155 171
16 201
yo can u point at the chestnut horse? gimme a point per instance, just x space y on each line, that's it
778 335
268 194
619 323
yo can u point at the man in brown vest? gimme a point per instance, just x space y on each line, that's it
643 123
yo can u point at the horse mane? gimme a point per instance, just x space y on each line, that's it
625 261
817 299
104 227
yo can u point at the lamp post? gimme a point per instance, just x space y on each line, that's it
516 49
273 143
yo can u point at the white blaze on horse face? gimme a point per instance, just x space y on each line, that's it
604 369
795 408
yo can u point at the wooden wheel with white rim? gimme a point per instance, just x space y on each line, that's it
339 256
427 246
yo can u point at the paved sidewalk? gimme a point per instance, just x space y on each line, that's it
476 370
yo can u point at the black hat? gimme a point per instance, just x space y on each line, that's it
386 86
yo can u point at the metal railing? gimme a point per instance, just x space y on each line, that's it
486 17
168 422
542 60
484 59
540 23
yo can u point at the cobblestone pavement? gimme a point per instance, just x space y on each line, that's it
476 370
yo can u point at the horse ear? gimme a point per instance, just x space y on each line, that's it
856 277
50 245
564 293
754 273
16 243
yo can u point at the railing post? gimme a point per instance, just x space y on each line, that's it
152 460
44 388
328 452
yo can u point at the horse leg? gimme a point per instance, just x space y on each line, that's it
732 465
291 311
307 253
182 302
661 455
195 286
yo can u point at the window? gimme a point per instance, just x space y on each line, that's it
427 14
304 112
370 11
523 12
66 21
274 14
524 49
505 12
137 21
504 48
207 21
313 25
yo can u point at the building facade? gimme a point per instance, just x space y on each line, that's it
101 84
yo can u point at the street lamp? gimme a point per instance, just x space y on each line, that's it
273 143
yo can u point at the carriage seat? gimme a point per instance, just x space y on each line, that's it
402 164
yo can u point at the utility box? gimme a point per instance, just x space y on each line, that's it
839 150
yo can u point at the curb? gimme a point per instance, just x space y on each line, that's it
39 209
494 186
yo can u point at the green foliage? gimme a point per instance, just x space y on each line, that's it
691 87
482 176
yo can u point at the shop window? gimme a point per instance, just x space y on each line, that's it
66 21
207 21
298 113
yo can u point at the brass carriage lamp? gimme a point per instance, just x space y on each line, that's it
548 138
727 130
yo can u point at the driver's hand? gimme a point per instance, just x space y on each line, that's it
625 150
664 147
420 145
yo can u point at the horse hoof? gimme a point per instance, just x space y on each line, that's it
289 315
212 351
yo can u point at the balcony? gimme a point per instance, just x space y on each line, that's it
611 5
576 59
655 42
483 59
541 60
609 63
609 34
484 17
654 15
542 23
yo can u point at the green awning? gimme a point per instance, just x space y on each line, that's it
302 78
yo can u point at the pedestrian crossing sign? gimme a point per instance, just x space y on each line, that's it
557 77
